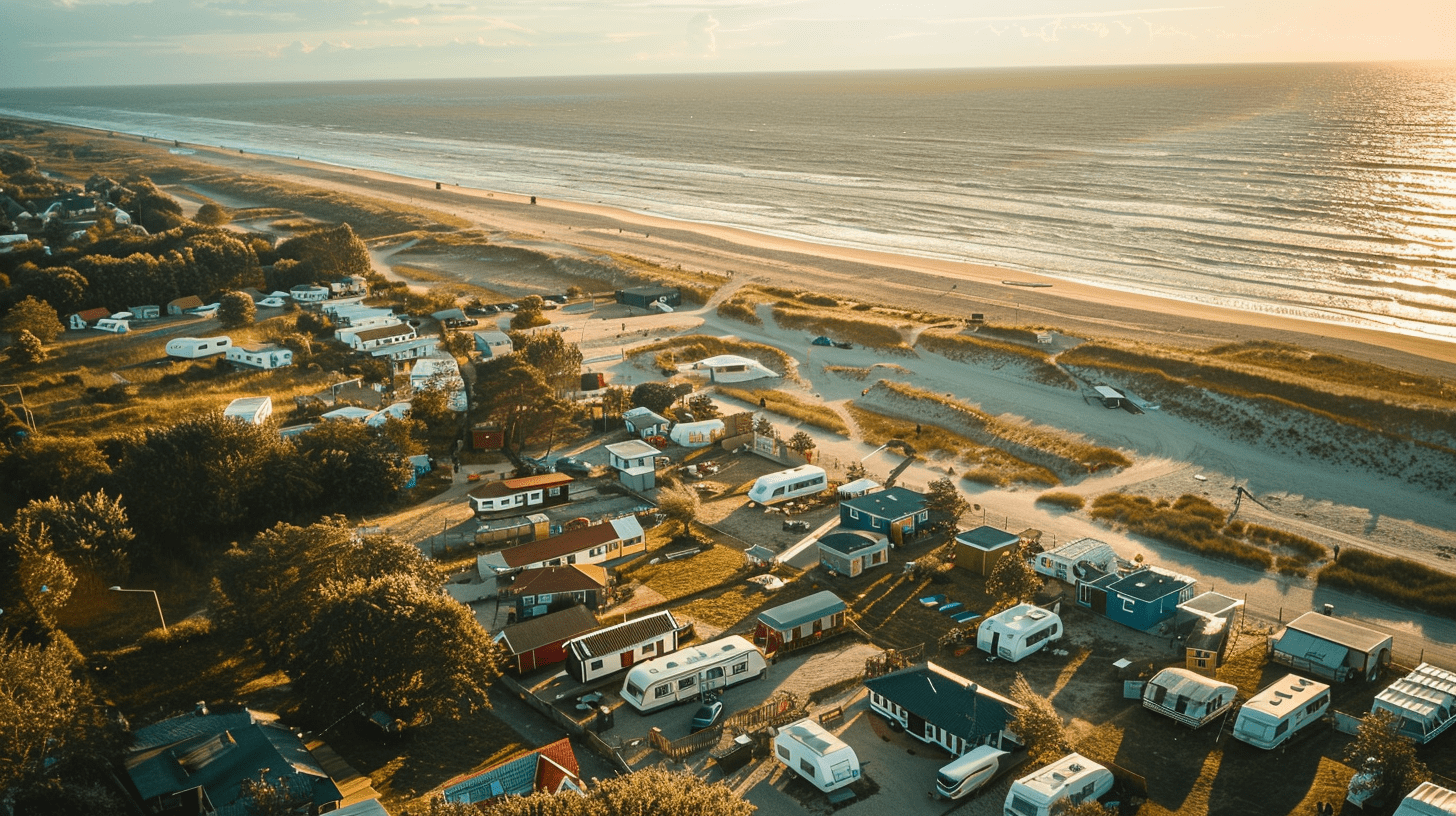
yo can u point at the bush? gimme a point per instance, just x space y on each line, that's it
1189 523
1397 580
185 631
741 310
1062 499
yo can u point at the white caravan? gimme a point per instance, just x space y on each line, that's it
686 674
1188 697
804 480
969 772
1074 778
1018 632
1280 710
1424 700
192 348
823 759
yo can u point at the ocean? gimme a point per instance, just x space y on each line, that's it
1321 191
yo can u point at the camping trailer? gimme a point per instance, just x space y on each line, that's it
113 325
1280 710
193 348
804 480
1074 778
1428 799
1188 697
1018 632
824 760
1424 700
969 772
686 674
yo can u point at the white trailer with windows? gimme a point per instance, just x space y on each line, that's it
1280 710
193 348
804 480
686 674
1188 697
1424 700
1073 778
809 750
969 772
1018 632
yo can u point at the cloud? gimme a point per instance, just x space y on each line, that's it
702 39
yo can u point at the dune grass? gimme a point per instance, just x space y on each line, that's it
1062 499
783 402
701 346
865 332
740 308
984 464
1398 580
985 350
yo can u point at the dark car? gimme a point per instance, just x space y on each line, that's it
560 299
843 345
480 309
575 467
707 715
795 526
534 467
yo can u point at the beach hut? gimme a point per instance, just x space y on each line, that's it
980 548
644 296
1329 647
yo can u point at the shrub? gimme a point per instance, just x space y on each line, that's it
1397 580
185 631
1189 524
1062 499
740 309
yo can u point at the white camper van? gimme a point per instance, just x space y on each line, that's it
686 674
1188 697
969 772
823 759
804 480
1074 778
1280 710
1018 632
193 348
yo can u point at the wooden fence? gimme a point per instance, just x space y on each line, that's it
779 710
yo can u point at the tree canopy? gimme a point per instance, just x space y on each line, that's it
236 310
946 504
654 396
47 714
1385 759
1037 724
325 254
35 316
1012 580
654 791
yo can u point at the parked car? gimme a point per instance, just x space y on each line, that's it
533 466
796 526
573 466
843 345
707 715
558 299
481 309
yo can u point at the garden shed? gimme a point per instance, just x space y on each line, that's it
1329 647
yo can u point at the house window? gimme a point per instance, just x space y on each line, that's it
596 665
650 648
853 513
1128 604
529 600
924 514
545 599
663 690
555 491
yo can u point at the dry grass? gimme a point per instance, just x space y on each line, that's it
740 308
701 346
984 465
677 579
723 609
782 402
872 333
1062 499
1398 580
987 351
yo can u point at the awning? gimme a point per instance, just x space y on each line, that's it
1308 647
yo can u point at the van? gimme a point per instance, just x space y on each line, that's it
969 772
1073 778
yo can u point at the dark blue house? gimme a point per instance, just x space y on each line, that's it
1141 599
897 513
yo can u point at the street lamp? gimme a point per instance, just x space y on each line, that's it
154 597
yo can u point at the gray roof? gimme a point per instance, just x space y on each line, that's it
1149 584
796 613
1211 605
1338 630
219 762
891 503
851 541
544 630
186 726
945 699
987 538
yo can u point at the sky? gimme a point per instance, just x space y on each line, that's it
142 42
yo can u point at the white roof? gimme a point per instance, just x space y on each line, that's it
858 487
1426 695
1022 617
631 449
1083 549
427 367
1069 770
247 406
349 412
1189 685
727 360
813 736
1428 799
1284 695
397 410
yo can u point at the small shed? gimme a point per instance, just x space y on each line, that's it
1144 600
644 296
1334 649
635 462
979 548
797 624
1111 397
850 552
486 436
730 368
250 410
539 642
1205 623
594 655
759 556
644 422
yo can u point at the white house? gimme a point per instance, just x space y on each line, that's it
309 294
358 316
251 410
696 434
375 336
192 348
645 422
730 368
349 285
408 350
937 706
587 545
266 356
607 651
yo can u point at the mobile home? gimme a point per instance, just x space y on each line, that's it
800 623
1018 632
1280 710
1188 697
113 325
1073 778
1424 700
607 651
804 480
193 348
1083 559
685 675
969 772
808 749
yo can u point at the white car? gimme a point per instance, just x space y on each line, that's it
271 302
210 310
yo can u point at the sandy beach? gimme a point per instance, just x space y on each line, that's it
937 286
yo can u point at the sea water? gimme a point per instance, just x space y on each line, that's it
1321 191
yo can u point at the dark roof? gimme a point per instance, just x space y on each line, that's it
987 538
384 331
569 542
626 634
796 613
1340 631
186 726
945 699
850 541
891 503
568 578
650 290
543 769
547 629
1149 585
506 487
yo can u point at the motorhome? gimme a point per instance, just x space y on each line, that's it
1073 778
824 760
1280 710
193 348
970 772
1188 697
1018 632
687 674
804 480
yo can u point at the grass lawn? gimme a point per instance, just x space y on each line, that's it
686 576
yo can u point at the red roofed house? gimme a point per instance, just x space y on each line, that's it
81 320
182 304
542 641
536 591
550 768
589 545
496 498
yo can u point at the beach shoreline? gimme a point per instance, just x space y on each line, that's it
917 283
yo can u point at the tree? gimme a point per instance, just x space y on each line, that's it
47 714
45 466
763 427
93 531
236 310
393 643
513 392
654 396
856 471
616 400
1012 580
529 313
801 442
45 580
35 316
656 791
355 467
680 503
27 349
702 406
946 504
1086 807
1385 759
212 215
558 361
1037 724
326 253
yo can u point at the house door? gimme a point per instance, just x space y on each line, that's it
995 642
917 724
627 658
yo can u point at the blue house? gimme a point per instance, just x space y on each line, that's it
897 513
1140 600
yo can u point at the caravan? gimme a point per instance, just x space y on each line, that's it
193 348
1018 632
1188 697
804 480
823 759
970 772
1074 778
687 674
1280 710
1424 700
